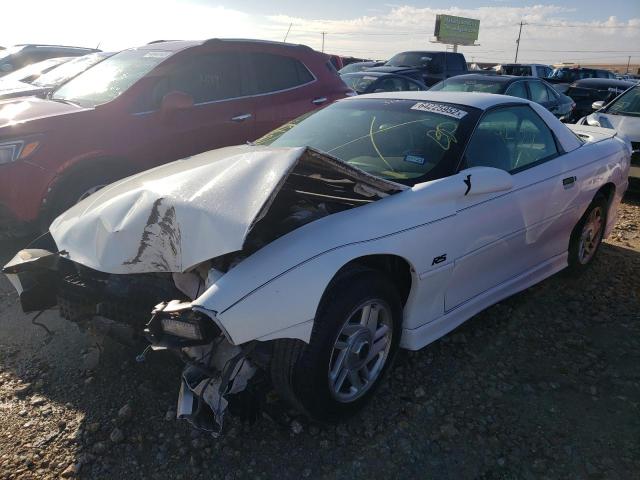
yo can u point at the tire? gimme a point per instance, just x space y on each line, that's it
587 235
75 186
302 373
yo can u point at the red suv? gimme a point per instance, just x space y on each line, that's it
147 106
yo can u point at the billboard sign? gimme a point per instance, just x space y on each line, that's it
456 30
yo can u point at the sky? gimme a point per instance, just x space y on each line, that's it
586 31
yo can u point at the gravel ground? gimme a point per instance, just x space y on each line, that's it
543 385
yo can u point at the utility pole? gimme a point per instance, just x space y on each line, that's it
518 40
323 34
287 34
628 62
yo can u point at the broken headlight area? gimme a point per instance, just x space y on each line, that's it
83 293
218 376
175 325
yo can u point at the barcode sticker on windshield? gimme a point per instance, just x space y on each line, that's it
157 54
439 108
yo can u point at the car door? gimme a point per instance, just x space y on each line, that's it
503 236
284 88
541 95
221 114
518 89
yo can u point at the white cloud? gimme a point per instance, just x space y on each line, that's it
406 27
120 24
117 24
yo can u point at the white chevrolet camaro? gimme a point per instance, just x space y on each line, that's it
308 258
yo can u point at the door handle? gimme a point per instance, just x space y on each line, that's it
569 182
319 100
241 118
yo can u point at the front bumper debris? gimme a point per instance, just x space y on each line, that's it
32 272
205 388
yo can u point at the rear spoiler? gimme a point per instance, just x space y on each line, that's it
592 134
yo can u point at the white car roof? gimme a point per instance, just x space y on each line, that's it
483 101
469 99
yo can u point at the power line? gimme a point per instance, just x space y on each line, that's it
584 51
488 27
584 25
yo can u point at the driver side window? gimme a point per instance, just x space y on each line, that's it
511 139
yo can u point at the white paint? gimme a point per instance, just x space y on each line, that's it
215 195
510 233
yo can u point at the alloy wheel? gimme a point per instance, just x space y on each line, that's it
360 350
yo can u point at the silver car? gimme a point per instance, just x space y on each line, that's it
623 115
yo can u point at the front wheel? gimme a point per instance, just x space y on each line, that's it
354 340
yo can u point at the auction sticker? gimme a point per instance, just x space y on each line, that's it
418 160
157 54
447 110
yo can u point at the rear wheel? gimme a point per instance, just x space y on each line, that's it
587 235
355 337
75 187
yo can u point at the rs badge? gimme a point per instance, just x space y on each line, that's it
439 259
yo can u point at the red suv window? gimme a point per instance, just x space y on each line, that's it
277 72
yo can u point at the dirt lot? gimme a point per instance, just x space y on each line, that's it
543 385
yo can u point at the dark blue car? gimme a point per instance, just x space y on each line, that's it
372 82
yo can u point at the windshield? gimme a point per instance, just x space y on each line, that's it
67 70
359 83
469 85
393 139
355 67
110 78
626 104
517 70
29 73
409 59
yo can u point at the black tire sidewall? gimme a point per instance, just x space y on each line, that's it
310 376
72 185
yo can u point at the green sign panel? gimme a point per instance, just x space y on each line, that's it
456 30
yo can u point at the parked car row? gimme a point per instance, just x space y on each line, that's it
171 99
41 78
19 56
147 106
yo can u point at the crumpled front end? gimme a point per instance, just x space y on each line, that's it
149 246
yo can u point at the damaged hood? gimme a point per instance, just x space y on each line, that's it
178 215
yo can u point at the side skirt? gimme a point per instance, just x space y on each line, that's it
415 339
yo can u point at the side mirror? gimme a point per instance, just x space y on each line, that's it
173 102
597 105
479 180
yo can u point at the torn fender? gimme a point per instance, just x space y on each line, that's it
176 216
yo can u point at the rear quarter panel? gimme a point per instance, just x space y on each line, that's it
595 164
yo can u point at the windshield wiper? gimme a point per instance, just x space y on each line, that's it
63 100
